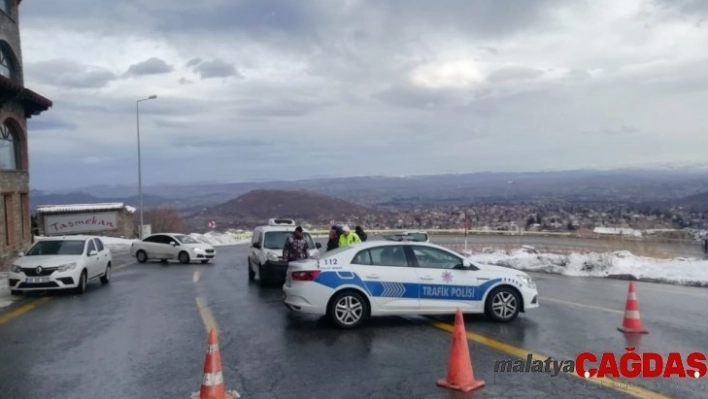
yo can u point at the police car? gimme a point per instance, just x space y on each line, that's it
380 278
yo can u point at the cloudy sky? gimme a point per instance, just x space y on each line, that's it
268 89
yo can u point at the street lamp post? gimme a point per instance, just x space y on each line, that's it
140 171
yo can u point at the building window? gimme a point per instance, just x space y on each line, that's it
7 68
5 6
9 148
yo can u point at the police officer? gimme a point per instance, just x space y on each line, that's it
348 237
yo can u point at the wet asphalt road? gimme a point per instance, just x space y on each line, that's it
143 336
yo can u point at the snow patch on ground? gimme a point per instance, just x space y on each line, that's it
5 298
681 271
219 239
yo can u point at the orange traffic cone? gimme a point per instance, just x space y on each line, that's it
459 369
632 320
213 379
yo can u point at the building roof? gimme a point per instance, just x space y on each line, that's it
33 103
110 206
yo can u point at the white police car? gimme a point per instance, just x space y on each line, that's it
378 278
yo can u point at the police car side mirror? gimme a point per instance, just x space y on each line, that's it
318 245
465 265
20 254
256 245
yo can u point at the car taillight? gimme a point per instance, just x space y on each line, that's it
305 276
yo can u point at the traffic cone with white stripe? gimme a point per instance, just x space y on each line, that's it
213 379
632 320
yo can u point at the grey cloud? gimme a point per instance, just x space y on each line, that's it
620 131
216 69
613 131
514 73
162 106
349 78
688 7
151 66
305 22
415 97
579 74
194 62
49 123
480 19
285 107
491 50
68 74
218 142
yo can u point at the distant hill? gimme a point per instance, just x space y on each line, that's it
38 199
306 207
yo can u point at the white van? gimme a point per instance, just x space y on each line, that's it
265 259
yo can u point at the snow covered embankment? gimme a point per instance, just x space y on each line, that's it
681 271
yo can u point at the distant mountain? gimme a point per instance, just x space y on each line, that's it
666 184
257 206
38 198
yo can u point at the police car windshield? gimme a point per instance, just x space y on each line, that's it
276 239
57 247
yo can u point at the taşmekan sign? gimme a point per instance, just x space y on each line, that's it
80 222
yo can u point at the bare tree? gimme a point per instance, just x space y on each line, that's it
163 220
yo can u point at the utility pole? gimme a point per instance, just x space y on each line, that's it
140 171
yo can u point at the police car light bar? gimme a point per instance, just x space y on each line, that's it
281 222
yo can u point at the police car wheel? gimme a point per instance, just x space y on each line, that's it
503 304
348 309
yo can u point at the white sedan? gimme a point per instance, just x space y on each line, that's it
380 278
167 246
60 263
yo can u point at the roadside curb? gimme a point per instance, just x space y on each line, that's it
6 299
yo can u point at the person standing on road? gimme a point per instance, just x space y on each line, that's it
296 247
360 232
333 241
348 237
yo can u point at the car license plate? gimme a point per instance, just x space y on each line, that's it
37 279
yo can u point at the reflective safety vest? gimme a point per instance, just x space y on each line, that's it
348 239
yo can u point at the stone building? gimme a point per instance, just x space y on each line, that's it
110 220
17 104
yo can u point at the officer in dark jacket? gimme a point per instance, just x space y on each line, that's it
333 241
360 232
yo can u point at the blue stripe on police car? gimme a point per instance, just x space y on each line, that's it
336 279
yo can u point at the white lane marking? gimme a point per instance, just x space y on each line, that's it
207 317
196 277
582 305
